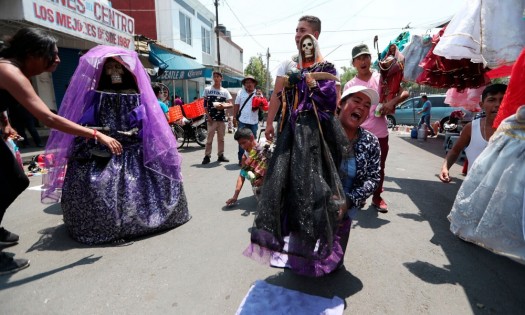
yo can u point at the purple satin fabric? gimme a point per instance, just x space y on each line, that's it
160 146
324 95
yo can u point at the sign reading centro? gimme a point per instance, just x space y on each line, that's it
86 19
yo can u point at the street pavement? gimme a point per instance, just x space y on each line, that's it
403 262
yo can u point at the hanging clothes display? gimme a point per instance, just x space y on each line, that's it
515 96
400 41
489 209
391 69
468 99
445 73
414 53
489 32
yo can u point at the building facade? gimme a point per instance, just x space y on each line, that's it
188 27
78 25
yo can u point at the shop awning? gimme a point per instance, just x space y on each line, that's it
231 81
174 66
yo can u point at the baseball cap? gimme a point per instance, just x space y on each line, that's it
360 50
372 94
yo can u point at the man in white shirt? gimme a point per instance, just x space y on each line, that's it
216 99
247 118
308 24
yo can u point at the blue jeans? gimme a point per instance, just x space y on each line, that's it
426 119
253 128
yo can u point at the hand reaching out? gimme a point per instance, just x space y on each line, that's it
113 145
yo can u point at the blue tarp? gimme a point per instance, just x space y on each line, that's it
174 66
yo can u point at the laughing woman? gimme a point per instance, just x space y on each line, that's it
359 172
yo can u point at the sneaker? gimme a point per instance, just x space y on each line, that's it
10 265
222 158
8 238
206 159
380 205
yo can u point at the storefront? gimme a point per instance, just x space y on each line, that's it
182 74
77 24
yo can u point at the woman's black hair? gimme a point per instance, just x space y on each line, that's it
156 88
30 41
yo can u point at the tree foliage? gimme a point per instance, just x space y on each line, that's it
348 74
257 68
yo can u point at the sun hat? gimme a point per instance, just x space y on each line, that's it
249 77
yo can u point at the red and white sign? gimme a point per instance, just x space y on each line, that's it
87 19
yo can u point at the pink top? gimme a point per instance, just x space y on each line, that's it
376 125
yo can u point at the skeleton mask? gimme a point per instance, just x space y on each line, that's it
307 48
114 69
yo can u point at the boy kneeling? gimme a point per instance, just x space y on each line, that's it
254 162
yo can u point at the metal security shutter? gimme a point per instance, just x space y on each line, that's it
62 75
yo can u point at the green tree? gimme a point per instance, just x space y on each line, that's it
257 68
348 74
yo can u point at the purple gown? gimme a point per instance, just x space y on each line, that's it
297 210
109 198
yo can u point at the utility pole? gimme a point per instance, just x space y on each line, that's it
268 71
216 3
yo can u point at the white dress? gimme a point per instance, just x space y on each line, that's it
414 53
489 31
489 207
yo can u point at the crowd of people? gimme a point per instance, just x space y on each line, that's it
117 172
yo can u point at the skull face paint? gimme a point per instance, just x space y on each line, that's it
307 47
114 69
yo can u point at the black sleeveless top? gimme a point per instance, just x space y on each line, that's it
7 102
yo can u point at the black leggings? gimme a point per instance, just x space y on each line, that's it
13 180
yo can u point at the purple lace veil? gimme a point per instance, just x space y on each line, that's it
160 146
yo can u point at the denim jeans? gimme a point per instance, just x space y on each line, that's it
253 128
426 119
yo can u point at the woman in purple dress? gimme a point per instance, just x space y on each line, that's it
109 198
302 196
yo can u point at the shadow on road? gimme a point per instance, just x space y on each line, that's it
247 204
432 145
340 283
492 283
54 209
84 261
55 238
369 219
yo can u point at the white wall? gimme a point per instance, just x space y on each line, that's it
168 33
168 27
230 55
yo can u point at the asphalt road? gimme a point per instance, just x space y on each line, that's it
402 262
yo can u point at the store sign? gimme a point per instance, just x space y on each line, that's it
182 74
87 19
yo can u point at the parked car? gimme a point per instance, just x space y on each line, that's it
406 112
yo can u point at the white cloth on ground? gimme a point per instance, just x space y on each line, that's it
268 299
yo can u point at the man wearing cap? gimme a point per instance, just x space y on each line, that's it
376 122
217 99
242 108
308 24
